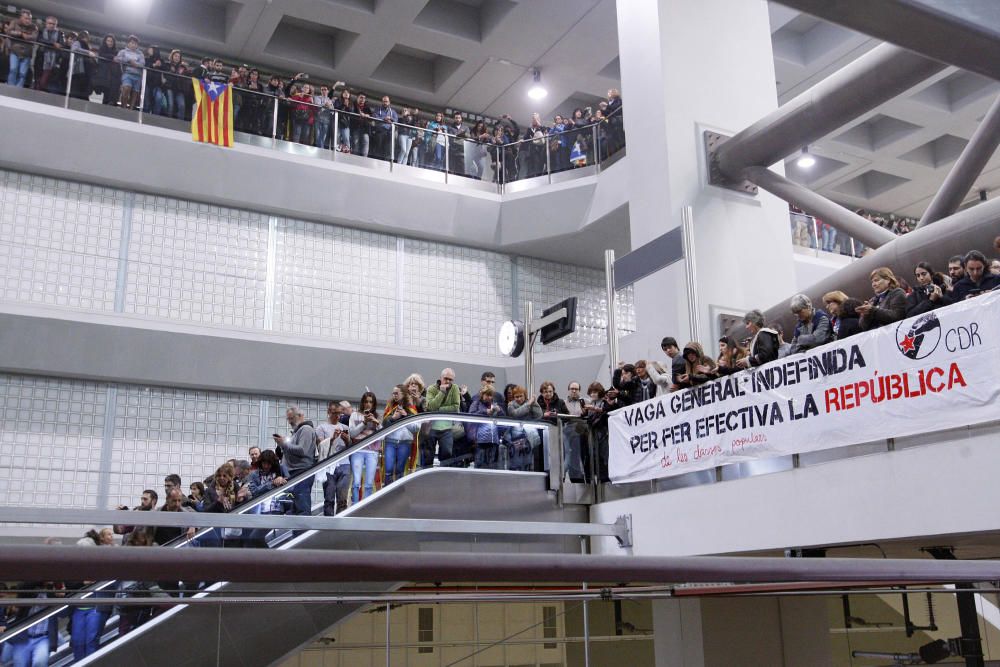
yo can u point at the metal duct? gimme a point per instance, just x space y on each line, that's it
973 228
47 563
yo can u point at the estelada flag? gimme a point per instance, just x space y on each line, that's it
212 121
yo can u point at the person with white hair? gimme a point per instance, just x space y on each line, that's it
813 328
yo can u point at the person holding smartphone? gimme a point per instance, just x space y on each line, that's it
364 424
889 303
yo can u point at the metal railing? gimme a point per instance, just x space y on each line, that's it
511 448
810 233
81 77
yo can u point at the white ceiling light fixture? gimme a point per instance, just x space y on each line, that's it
537 90
806 160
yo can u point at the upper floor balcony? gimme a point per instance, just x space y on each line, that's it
444 179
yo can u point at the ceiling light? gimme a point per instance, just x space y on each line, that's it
537 90
805 161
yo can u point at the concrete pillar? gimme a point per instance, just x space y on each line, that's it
805 631
677 636
687 67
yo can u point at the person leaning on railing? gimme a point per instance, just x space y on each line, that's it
22 33
107 72
929 292
83 65
889 303
132 61
763 346
843 313
303 113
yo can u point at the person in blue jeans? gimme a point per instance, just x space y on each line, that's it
299 455
363 424
22 33
398 444
31 648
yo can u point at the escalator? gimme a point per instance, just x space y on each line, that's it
229 634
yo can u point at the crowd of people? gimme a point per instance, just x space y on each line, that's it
295 109
840 316
810 232
581 418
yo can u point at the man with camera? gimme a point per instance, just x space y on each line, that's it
147 502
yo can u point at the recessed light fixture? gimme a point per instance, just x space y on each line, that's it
537 90
806 160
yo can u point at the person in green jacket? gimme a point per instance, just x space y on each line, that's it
443 396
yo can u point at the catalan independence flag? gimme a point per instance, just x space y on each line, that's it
212 121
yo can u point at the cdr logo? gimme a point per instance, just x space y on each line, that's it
920 339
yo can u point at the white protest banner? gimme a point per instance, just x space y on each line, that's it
928 373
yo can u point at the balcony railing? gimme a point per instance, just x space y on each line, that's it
437 150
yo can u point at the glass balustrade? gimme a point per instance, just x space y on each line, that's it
82 81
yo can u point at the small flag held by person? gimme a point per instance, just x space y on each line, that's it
212 121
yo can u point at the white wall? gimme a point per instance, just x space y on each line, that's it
688 67
933 484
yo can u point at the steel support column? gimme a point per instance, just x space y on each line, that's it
964 34
816 204
871 80
967 169
968 617
47 563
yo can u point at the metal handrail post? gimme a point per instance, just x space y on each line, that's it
609 277
447 150
816 238
274 120
392 144
593 146
556 475
548 158
142 93
335 144
69 78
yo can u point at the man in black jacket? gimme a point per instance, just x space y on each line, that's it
977 277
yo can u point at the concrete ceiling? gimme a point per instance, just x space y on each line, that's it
471 55
894 158
476 55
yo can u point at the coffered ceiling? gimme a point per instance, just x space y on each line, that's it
476 55
473 55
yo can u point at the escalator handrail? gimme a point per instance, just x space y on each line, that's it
328 463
